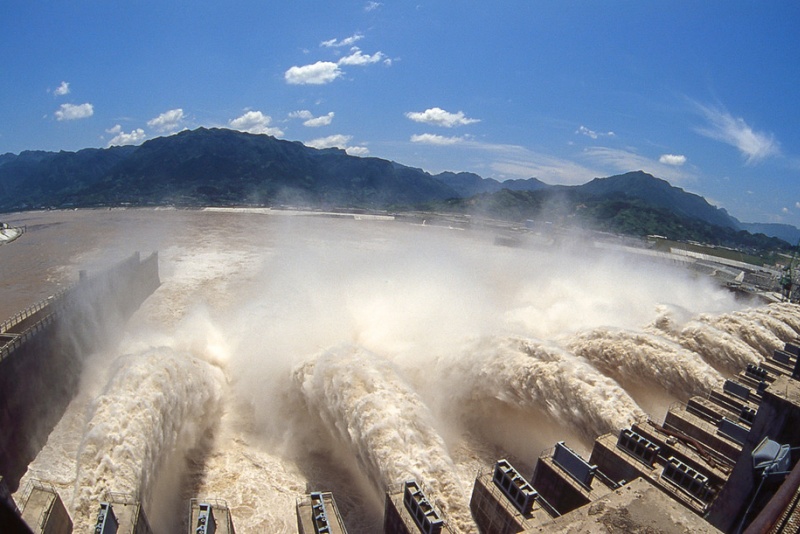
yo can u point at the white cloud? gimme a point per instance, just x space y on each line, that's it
316 122
672 159
168 121
332 141
357 150
722 126
357 58
121 138
323 72
62 89
310 120
347 41
255 122
583 130
318 73
785 210
434 139
797 205
338 141
372 6
440 117
69 112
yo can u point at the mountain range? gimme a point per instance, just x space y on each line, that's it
226 167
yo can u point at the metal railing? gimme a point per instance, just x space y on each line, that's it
32 310
29 332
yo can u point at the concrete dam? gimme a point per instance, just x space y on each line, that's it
279 374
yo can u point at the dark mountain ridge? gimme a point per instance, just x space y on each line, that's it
211 166
661 194
227 167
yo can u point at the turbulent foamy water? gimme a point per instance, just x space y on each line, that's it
634 356
364 402
533 377
155 408
286 354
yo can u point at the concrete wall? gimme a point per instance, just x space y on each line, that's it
40 376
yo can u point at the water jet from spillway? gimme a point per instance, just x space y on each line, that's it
631 357
156 405
365 404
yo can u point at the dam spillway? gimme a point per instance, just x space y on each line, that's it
283 356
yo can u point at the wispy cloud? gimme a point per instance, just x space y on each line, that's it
583 130
672 159
255 122
338 141
372 6
70 112
439 117
347 41
169 121
515 161
62 89
434 139
134 137
722 126
301 114
357 58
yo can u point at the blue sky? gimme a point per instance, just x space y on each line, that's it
703 94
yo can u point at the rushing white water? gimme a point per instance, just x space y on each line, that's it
717 347
783 331
155 404
722 350
635 356
365 403
747 329
786 312
227 387
531 376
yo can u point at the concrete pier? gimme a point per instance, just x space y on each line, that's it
566 481
504 503
122 513
44 511
210 516
317 512
408 511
